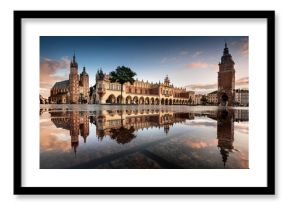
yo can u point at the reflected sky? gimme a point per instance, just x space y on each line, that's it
143 137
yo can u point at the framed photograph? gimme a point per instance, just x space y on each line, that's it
144 102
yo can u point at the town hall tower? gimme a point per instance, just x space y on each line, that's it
226 79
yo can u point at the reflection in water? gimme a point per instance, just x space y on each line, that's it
225 133
131 138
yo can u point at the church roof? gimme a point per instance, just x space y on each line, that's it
61 84
214 92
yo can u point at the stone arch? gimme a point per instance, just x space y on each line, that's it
141 101
147 101
120 112
128 99
170 101
152 101
129 112
119 99
162 101
136 112
174 102
111 99
111 112
135 100
166 101
157 101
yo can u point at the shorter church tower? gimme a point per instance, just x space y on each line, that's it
84 82
226 79
74 82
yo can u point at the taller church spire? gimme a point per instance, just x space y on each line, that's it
74 63
74 81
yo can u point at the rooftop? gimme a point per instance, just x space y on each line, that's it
61 84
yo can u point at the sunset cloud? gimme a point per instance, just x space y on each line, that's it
245 47
196 65
49 73
49 137
203 88
242 82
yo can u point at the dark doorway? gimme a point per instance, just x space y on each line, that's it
224 99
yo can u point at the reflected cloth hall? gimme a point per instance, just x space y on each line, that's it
156 138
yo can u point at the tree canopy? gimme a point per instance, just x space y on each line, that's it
122 75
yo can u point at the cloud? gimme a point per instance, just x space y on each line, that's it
200 144
163 60
244 46
182 53
196 65
168 59
50 137
244 81
204 88
197 53
49 73
242 127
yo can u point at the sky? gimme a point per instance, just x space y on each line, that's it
190 62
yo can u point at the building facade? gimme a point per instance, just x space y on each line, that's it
226 79
140 92
242 97
74 90
212 98
197 99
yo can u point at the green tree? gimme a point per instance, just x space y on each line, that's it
122 75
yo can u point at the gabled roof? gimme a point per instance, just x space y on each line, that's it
214 92
61 84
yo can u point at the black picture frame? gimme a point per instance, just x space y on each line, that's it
268 190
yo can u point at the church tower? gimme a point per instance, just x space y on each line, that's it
84 81
166 81
226 79
74 81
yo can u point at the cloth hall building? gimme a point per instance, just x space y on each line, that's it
140 92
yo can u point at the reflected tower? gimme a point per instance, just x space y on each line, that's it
225 133
74 129
84 126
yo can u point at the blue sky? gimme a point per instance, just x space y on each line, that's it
189 61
